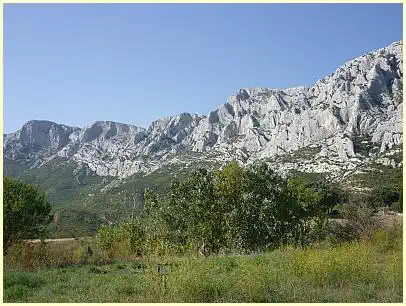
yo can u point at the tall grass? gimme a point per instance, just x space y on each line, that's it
35 256
364 271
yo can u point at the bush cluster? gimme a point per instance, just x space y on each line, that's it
26 212
228 210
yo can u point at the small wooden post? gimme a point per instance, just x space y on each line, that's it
163 271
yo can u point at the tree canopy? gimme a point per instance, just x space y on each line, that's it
26 211
232 209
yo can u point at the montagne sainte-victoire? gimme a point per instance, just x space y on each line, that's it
345 126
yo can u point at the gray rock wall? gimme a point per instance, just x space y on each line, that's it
362 97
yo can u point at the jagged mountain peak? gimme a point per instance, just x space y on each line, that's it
41 133
107 129
361 98
45 125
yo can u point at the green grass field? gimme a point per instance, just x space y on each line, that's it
365 271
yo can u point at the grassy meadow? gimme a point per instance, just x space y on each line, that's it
78 271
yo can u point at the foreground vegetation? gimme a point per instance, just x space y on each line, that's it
229 235
239 210
363 271
26 212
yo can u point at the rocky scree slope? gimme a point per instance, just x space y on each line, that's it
349 119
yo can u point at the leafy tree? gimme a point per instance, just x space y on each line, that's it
229 194
155 219
151 205
385 195
197 216
314 201
267 215
26 212
232 209
399 188
330 197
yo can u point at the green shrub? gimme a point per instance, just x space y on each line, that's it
34 256
93 269
360 221
120 266
385 196
15 293
18 284
26 212
397 206
78 255
26 279
125 238
138 265
239 210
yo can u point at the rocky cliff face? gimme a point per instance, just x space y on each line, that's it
35 141
363 97
361 102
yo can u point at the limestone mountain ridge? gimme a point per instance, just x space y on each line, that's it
350 118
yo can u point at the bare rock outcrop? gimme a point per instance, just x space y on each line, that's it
362 98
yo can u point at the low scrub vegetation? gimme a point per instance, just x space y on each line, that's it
29 256
230 235
237 211
361 271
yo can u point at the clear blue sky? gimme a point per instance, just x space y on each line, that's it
134 63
